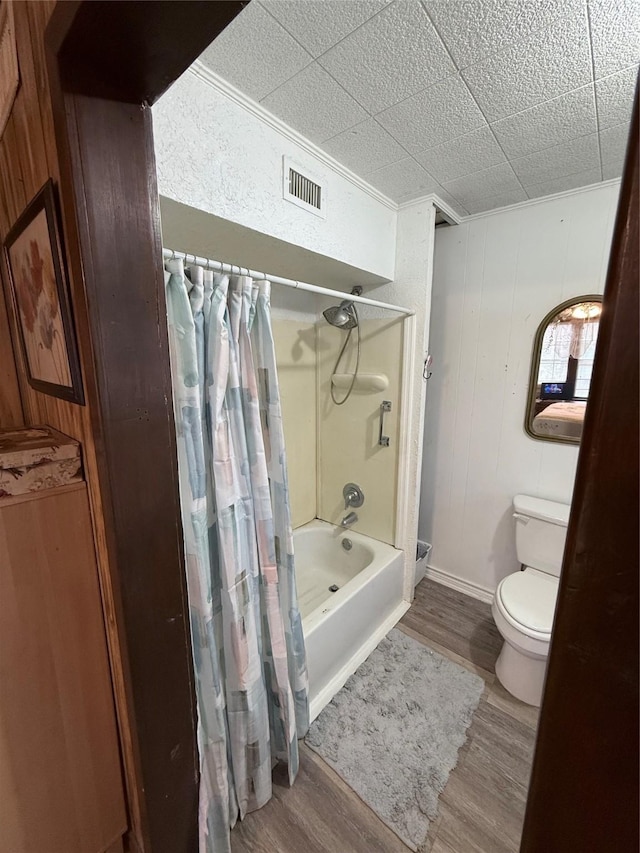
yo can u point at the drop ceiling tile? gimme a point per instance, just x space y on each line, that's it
542 66
569 182
390 57
568 158
614 97
403 179
314 104
472 29
615 34
613 147
548 124
442 112
319 24
461 156
365 147
255 53
474 188
503 199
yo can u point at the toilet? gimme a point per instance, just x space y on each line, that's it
525 601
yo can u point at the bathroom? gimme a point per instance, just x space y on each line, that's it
475 288
403 212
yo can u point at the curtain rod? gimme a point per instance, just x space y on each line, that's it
234 269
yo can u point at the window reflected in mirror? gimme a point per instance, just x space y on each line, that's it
561 367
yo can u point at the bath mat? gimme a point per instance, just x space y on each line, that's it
394 730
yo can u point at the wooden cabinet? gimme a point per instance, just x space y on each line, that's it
60 777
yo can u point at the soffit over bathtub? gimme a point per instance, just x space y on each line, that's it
483 102
198 232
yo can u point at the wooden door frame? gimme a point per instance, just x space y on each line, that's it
107 63
583 794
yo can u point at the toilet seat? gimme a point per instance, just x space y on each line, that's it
523 607
527 600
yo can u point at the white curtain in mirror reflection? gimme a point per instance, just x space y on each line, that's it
575 338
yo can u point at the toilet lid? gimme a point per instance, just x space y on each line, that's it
529 597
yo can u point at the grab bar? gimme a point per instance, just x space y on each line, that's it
385 406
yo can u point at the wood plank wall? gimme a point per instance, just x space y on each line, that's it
61 785
28 157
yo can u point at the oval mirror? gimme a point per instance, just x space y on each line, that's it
561 366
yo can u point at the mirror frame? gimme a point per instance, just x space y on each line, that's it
535 367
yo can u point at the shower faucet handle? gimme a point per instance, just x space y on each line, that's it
353 495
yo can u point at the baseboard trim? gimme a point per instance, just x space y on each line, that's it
482 593
337 683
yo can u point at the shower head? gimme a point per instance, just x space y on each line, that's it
341 316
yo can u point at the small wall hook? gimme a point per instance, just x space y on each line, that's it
426 372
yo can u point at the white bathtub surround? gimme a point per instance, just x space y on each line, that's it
342 628
348 450
412 287
495 278
295 342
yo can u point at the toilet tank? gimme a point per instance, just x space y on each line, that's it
541 530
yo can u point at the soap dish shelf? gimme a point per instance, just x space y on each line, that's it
371 383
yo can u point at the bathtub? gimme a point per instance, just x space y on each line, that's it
342 627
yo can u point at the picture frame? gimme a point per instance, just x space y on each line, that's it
39 291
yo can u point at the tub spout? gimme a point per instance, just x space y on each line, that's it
349 519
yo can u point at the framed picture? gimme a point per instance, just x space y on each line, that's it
34 258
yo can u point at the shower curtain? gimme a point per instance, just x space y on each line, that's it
248 648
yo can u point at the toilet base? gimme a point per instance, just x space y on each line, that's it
521 675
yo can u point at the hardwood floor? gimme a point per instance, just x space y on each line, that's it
482 808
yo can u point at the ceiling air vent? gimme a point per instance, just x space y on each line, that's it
304 190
